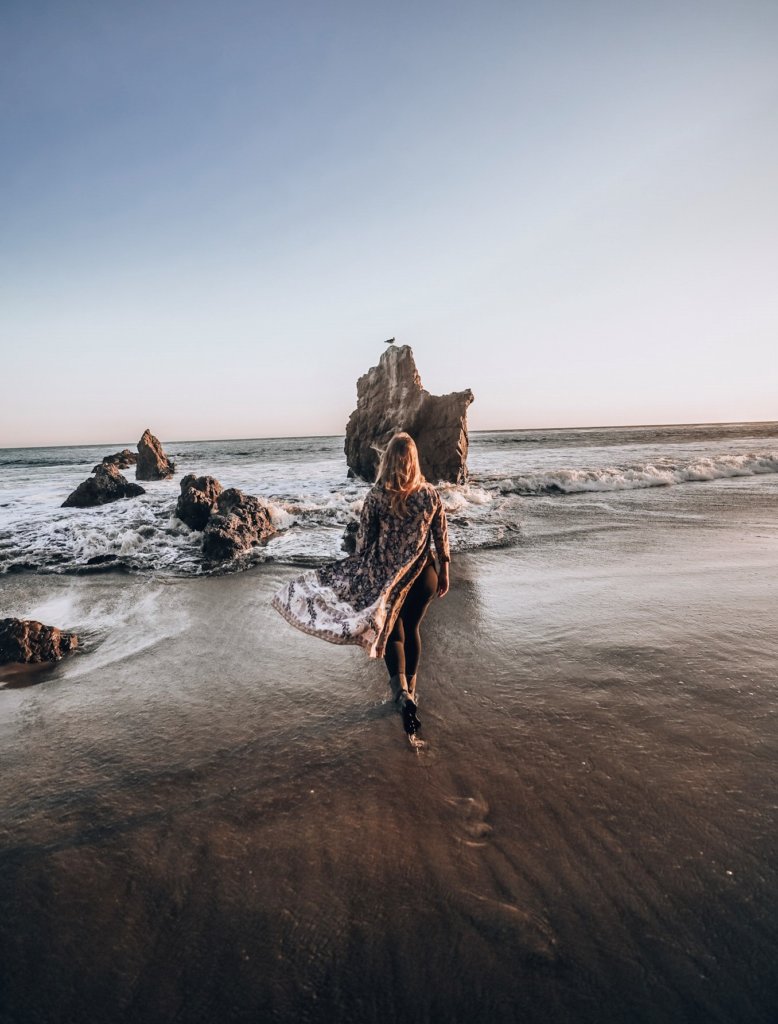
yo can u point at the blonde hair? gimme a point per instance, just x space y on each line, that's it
399 471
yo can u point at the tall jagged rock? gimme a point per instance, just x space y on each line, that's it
237 522
105 486
390 397
153 464
26 641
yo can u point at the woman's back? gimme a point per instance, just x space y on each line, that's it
394 533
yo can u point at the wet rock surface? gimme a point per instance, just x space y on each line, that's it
26 641
390 397
153 463
198 496
122 460
237 522
106 485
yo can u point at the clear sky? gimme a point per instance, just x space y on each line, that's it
212 214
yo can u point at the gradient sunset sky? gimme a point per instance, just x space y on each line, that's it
214 213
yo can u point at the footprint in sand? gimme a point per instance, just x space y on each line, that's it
510 923
471 813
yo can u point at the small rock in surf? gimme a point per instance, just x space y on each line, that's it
26 641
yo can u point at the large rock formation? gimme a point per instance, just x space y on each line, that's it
198 495
153 464
237 522
25 641
390 398
106 485
122 460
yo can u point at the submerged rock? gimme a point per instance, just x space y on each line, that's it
122 460
26 641
390 398
105 486
237 522
198 496
153 463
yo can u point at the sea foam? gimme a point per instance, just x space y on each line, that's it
311 500
660 472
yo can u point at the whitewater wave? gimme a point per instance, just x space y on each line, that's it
662 472
144 535
311 512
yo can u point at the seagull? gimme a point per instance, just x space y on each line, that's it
389 341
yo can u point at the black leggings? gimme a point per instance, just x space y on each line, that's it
404 644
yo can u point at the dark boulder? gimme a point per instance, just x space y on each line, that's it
105 486
122 460
152 463
198 495
237 522
390 398
26 641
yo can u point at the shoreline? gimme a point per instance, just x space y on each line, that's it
210 815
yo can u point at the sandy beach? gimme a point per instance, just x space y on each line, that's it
207 816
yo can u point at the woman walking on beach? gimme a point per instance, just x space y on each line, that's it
378 596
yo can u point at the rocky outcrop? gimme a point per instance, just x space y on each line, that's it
152 464
26 641
237 522
198 496
122 460
390 397
105 486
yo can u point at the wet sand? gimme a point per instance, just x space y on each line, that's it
207 816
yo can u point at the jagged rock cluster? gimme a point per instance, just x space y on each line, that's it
390 398
107 483
232 522
27 641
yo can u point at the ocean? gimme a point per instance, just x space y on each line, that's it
516 478
207 815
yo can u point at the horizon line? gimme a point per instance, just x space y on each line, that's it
495 430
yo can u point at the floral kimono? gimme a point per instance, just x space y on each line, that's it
356 600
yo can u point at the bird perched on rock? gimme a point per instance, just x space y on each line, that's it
389 341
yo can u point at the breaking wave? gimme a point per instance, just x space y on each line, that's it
311 501
660 472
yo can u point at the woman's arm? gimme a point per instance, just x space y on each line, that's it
443 579
439 529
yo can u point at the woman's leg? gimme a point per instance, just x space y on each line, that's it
412 612
394 656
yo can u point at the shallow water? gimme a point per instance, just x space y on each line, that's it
209 816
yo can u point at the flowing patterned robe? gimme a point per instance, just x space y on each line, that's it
356 600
